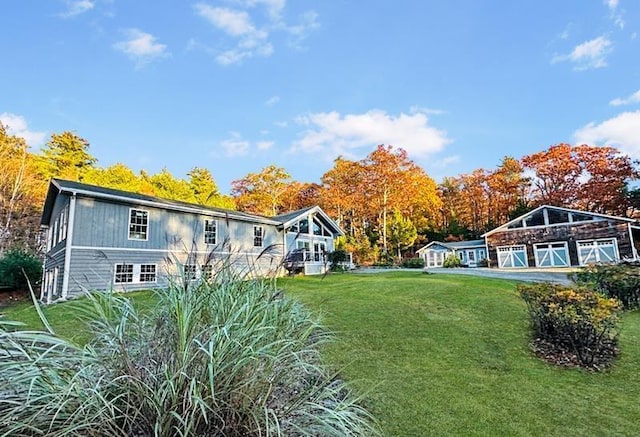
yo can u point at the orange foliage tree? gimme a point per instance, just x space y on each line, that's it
583 177
261 193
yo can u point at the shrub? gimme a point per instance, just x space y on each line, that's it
484 262
576 320
451 261
620 281
230 359
336 258
12 265
413 263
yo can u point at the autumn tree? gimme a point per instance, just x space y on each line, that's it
65 156
342 195
118 177
298 195
392 180
507 188
261 193
165 185
584 177
401 232
21 194
205 190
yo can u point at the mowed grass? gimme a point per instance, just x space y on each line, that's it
444 355
449 355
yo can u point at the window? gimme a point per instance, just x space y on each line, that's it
210 231
258 235
147 273
207 272
55 232
318 251
63 225
306 246
304 226
190 272
138 224
123 273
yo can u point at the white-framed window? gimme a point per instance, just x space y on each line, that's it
49 239
471 255
123 273
207 272
258 236
512 256
62 234
138 224
148 273
482 254
604 250
55 232
190 272
210 231
306 245
555 254
318 251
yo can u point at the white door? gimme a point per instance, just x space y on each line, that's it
512 257
598 251
471 257
551 254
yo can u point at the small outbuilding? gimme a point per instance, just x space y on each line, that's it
470 252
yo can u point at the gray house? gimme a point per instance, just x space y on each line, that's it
469 252
100 238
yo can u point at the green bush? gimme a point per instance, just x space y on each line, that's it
620 281
336 258
451 261
12 265
576 320
227 357
413 263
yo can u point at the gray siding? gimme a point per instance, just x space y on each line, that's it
101 224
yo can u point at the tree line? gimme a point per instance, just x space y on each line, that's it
386 203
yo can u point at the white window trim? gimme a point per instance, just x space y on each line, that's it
139 273
256 227
615 248
215 232
146 234
539 245
115 273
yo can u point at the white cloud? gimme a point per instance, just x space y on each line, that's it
235 145
141 47
272 100
17 125
615 16
415 109
77 7
629 100
621 131
282 124
612 4
235 23
264 145
250 39
333 134
447 161
590 54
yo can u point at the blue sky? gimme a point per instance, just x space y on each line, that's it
236 85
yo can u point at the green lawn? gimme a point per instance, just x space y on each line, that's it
447 354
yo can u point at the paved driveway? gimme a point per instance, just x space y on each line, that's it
559 276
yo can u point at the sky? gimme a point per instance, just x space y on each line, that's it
237 85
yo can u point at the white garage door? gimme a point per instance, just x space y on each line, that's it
598 251
512 256
551 254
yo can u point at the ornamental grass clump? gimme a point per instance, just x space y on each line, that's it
222 357
572 325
